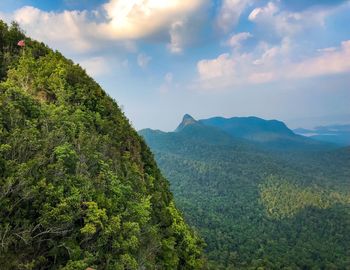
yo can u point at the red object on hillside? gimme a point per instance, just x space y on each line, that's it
21 43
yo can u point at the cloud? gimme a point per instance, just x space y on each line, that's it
270 63
220 67
235 41
230 13
189 30
272 20
167 84
261 77
302 4
95 66
130 19
143 60
217 73
116 23
59 30
328 62
176 37
272 55
266 11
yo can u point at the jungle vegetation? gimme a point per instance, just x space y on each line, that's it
79 187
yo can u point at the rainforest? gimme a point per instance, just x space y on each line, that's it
174 135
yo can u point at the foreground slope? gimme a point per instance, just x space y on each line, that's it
78 187
257 207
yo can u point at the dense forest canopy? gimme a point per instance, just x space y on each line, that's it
78 187
259 206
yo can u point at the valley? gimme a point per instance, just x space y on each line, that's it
259 203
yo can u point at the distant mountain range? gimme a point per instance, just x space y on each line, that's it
270 134
260 195
338 134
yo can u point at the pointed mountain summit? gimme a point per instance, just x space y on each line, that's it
187 120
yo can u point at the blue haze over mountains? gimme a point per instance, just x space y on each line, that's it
271 134
254 190
338 134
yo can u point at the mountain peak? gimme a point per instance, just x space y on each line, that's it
188 117
186 121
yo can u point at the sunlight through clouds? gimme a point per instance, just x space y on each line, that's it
139 18
125 20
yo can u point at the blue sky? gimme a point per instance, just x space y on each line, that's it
160 59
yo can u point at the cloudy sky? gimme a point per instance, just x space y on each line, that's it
160 59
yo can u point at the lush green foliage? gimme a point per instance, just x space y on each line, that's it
78 187
284 199
259 209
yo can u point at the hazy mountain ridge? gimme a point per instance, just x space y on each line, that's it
268 134
338 134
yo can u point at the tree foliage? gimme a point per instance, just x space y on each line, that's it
78 187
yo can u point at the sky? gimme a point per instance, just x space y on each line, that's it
160 59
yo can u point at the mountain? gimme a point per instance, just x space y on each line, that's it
337 134
79 188
255 207
197 131
271 134
187 120
252 128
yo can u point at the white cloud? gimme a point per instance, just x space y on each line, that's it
270 63
266 11
116 23
328 62
272 55
220 67
143 60
59 30
95 66
230 13
235 41
217 73
261 77
130 19
286 23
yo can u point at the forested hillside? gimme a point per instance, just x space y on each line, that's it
258 208
78 187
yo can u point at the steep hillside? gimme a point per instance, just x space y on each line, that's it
78 187
256 207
